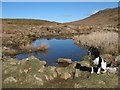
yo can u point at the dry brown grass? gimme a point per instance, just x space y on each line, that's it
42 47
107 41
27 49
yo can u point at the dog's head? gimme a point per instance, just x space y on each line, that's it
93 53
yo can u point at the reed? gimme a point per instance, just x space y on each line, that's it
106 41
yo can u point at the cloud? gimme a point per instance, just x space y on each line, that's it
94 12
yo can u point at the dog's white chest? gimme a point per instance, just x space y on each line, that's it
96 61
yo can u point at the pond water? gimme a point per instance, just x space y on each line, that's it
62 48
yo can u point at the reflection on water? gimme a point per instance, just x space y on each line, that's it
57 49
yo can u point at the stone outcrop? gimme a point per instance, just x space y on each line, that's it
32 72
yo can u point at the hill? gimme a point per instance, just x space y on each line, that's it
103 17
27 22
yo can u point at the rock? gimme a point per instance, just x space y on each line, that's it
33 62
64 60
41 70
84 63
48 77
117 60
6 48
27 59
32 58
112 70
101 83
38 79
26 70
18 62
77 72
13 63
66 75
43 63
20 71
50 73
52 70
5 72
10 79
77 85
35 79
65 72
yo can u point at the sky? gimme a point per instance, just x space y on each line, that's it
53 11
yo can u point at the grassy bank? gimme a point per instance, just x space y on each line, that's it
106 41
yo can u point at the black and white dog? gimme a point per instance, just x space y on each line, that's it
96 60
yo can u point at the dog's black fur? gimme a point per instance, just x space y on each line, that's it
84 68
94 52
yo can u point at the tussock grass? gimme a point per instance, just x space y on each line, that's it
106 41
44 46
27 49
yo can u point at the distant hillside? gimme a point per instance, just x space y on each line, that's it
103 17
27 22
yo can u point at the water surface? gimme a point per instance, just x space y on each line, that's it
62 48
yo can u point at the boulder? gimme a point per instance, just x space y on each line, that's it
50 73
66 75
112 70
64 60
32 62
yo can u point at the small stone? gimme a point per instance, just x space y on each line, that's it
46 77
41 70
18 62
39 79
5 72
10 79
101 83
26 71
13 63
43 63
27 59
20 71
76 72
51 78
77 85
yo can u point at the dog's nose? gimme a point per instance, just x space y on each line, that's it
89 53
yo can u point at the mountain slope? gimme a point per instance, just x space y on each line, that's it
103 17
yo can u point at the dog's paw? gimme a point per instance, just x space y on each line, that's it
98 73
92 72
104 71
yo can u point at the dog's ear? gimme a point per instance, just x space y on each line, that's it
90 48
